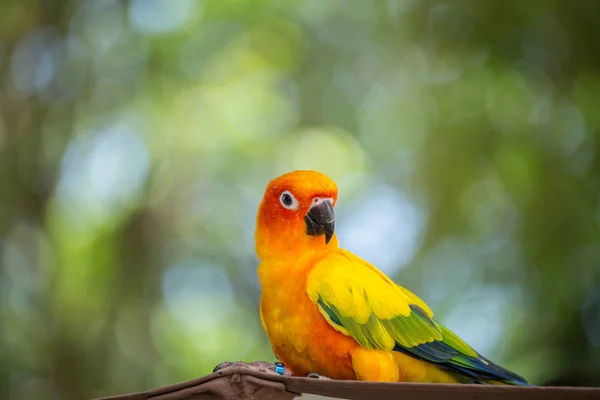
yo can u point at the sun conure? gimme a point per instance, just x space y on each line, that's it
329 312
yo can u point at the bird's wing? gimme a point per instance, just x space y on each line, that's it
359 301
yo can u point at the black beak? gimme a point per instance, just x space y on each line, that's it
320 220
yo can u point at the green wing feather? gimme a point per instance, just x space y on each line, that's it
390 317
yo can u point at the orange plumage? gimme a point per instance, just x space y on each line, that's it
327 311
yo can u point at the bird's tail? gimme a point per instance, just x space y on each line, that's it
486 372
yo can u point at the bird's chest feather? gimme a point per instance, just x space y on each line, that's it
299 334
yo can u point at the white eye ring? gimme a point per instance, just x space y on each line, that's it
288 200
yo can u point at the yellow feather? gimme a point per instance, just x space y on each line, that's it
340 279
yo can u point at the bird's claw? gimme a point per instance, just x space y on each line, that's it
261 366
223 365
314 375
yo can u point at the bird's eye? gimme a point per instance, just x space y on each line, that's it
288 201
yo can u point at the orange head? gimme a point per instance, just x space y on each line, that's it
296 215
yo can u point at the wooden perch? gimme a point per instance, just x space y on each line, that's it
259 381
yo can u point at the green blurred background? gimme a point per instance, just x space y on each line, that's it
136 139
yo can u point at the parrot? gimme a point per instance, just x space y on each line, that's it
329 313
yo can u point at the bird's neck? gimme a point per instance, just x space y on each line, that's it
281 246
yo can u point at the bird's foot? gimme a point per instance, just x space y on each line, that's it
314 375
224 364
261 366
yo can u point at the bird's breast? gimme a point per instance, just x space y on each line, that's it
300 336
